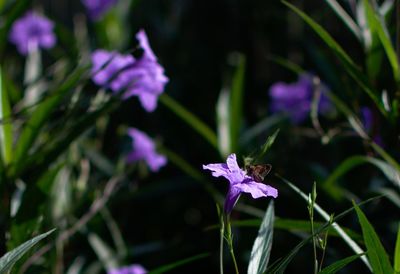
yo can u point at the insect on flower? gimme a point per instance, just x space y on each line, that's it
258 172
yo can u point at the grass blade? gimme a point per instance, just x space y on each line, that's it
397 253
9 259
190 119
5 124
345 17
261 250
377 255
336 266
353 70
376 24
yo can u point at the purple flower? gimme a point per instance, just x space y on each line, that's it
132 269
109 69
32 31
145 149
295 99
148 76
239 182
143 77
97 8
367 118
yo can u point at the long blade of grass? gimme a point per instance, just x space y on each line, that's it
262 246
397 253
9 259
349 241
336 266
353 70
346 18
192 120
378 25
377 255
6 138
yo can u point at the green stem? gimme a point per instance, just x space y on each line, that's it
230 243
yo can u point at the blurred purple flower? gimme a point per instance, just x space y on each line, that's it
239 182
367 118
32 31
295 99
97 8
143 77
145 149
148 76
132 269
109 69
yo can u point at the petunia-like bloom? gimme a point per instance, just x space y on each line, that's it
32 31
97 8
132 269
148 76
145 149
295 99
239 182
109 69
143 77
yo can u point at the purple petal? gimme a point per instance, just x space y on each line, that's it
217 169
144 149
232 163
148 101
231 199
257 190
31 31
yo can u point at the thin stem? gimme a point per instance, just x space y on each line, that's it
230 243
311 201
221 240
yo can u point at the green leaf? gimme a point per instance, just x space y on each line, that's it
262 246
376 254
377 25
336 266
40 115
352 69
174 265
6 138
397 253
190 119
236 103
9 259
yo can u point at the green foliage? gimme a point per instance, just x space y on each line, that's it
376 254
262 246
10 258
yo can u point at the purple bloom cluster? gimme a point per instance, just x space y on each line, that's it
143 77
132 269
97 8
32 31
145 149
295 99
239 182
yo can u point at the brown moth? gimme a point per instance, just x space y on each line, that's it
258 172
